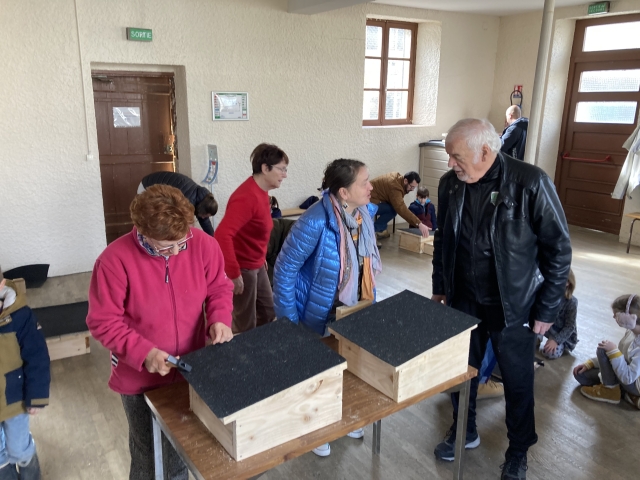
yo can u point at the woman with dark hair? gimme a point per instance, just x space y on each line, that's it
146 302
202 199
244 234
330 257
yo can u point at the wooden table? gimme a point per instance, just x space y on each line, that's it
207 459
635 216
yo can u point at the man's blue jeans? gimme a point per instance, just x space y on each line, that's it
16 442
386 213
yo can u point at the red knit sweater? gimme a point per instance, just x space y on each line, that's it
243 233
138 301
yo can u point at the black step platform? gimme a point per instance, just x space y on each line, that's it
63 319
402 327
256 365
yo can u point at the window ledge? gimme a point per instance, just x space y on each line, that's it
409 125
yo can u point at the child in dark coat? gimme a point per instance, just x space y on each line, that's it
563 334
24 364
422 208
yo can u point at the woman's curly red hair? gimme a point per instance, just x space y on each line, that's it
162 212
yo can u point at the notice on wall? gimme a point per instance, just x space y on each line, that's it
230 105
126 117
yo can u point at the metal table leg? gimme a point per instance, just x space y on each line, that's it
461 431
375 444
630 234
157 448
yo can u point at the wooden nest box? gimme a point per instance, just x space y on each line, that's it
406 344
265 387
411 239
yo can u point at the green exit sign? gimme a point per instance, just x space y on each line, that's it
139 34
597 8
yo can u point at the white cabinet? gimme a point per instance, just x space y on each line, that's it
433 164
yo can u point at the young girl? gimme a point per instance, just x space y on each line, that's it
563 335
615 367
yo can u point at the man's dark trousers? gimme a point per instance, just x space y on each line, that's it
513 347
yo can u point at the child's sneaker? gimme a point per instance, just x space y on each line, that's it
601 393
632 399
445 450
322 450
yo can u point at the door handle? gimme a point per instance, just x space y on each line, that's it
565 156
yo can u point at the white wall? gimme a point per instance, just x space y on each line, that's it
516 64
304 75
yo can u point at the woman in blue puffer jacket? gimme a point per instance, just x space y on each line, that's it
330 256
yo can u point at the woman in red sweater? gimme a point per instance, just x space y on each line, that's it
243 235
145 303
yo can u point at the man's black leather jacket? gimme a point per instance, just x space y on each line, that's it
529 236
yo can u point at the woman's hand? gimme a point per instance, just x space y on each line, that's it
607 345
33 410
424 230
156 362
550 346
238 285
220 333
580 369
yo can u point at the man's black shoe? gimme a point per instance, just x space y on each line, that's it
515 468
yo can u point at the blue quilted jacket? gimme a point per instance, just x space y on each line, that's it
305 279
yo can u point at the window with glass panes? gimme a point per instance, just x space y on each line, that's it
389 69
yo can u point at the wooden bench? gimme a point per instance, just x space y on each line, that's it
65 338
634 216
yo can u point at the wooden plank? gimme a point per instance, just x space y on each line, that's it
283 395
343 311
300 410
433 367
224 433
68 345
367 367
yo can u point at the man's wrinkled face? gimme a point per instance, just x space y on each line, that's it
467 163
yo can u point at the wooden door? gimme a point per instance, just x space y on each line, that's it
601 112
134 119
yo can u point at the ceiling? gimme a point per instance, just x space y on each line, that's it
488 7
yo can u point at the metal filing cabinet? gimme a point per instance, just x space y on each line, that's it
433 164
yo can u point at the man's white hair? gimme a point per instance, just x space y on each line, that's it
477 132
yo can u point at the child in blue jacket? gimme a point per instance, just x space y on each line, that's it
422 208
24 363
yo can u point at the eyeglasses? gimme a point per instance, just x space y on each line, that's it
182 245
282 169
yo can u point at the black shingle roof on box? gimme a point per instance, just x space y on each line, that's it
402 327
256 365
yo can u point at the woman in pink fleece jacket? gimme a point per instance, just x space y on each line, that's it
145 303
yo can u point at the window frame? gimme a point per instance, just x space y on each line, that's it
384 58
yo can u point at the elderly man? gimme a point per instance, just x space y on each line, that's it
514 135
502 254
388 193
